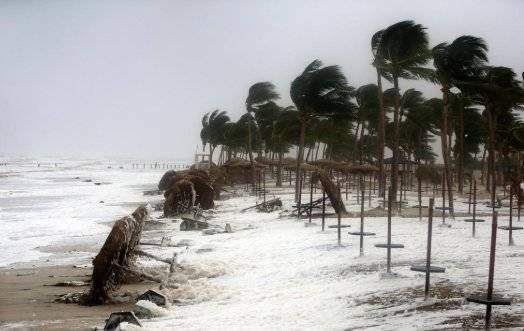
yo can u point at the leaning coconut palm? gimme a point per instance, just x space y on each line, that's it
378 63
498 91
213 129
403 50
284 134
259 93
455 63
368 110
318 91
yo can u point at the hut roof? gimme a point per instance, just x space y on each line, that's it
265 160
241 163
362 169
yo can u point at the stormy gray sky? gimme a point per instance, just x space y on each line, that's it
133 78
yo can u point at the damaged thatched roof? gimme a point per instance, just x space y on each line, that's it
241 163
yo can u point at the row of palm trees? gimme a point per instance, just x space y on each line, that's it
477 108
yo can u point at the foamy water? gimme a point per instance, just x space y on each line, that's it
44 208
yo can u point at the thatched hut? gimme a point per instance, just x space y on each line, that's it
163 184
429 173
180 198
204 192
362 169
238 171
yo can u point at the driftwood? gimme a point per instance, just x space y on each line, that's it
331 190
117 252
267 206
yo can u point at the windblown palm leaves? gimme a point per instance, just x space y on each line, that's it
401 51
213 128
258 94
319 91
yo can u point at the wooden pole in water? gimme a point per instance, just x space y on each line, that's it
511 242
310 200
469 199
443 198
369 192
323 209
491 267
419 181
474 205
390 198
428 251
264 187
362 225
299 196
338 229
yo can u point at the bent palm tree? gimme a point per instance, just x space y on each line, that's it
213 128
318 91
259 93
455 63
403 50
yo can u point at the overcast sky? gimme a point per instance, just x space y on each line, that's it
133 78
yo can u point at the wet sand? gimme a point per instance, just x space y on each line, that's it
27 300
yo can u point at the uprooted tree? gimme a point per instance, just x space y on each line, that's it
115 256
331 190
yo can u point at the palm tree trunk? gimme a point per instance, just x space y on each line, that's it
396 141
300 155
491 158
250 153
355 144
360 144
445 150
461 152
381 137
279 170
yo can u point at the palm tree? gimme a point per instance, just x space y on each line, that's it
284 134
213 130
378 63
403 52
455 63
318 91
498 90
367 99
258 94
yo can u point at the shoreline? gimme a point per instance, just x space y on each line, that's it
27 298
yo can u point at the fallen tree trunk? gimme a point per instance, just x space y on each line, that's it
331 190
117 252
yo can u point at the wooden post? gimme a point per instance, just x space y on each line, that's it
491 266
323 209
362 224
299 196
428 251
390 198
474 205
469 199
338 229
443 198
264 186
310 200
419 199
511 242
